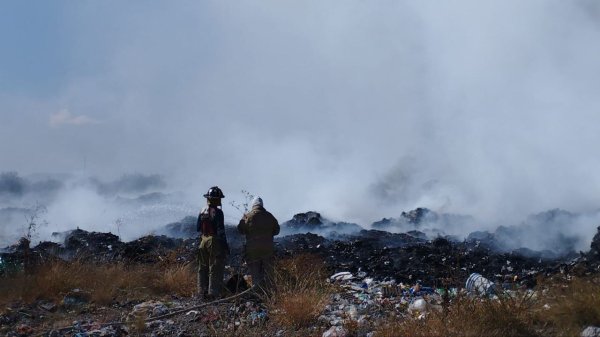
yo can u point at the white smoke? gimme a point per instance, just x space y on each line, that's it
130 206
359 110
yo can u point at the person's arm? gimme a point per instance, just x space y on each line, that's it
199 223
276 227
242 225
220 225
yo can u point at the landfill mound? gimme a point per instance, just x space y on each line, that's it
404 257
313 222
375 274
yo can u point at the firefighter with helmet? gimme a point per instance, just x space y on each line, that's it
213 246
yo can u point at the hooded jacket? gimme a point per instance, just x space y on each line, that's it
259 226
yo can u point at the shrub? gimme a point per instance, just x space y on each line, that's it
470 316
104 282
571 307
302 291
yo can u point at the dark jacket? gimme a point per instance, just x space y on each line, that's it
259 226
211 222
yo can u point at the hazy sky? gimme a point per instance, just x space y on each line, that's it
357 109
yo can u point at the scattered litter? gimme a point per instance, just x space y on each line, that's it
48 306
24 329
383 275
342 276
478 285
335 331
418 306
149 309
591 331
76 297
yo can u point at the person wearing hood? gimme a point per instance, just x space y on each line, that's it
259 226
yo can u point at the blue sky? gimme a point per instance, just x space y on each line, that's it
34 57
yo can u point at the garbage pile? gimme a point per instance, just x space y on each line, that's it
358 303
406 258
594 254
362 300
402 257
313 222
376 275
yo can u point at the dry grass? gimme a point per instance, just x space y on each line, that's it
302 291
572 306
105 283
557 309
177 279
138 324
471 317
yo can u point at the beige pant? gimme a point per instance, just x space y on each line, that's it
211 266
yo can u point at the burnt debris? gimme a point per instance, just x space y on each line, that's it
405 257
313 222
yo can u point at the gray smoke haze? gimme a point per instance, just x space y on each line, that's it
357 109
130 206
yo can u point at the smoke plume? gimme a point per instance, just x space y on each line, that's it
358 110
